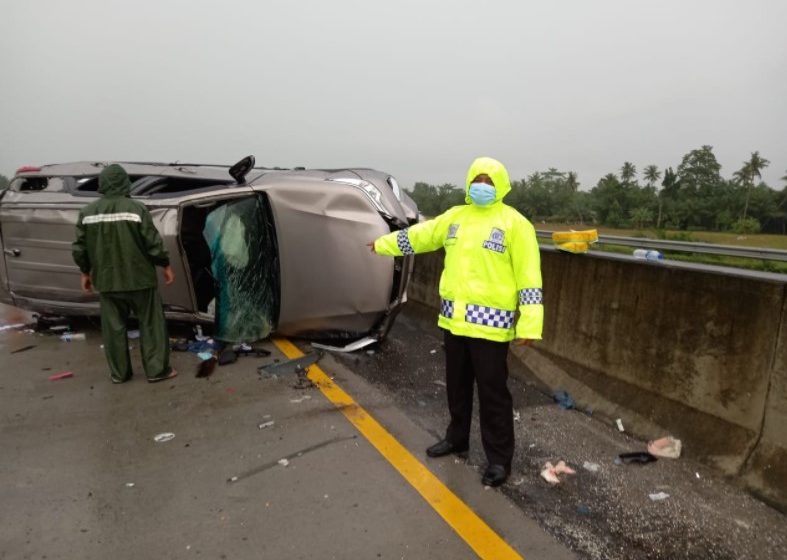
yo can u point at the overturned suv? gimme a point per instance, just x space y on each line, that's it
299 234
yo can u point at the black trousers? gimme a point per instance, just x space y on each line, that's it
477 360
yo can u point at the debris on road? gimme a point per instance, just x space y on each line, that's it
300 399
550 471
22 349
207 364
619 424
129 485
290 366
592 467
164 437
563 399
352 347
439 382
284 462
667 447
62 375
267 424
433 351
69 336
658 496
639 457
517 416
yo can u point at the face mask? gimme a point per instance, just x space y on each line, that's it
482 194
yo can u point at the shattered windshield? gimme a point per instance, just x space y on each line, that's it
241 239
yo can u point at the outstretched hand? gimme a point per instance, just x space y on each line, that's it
523 341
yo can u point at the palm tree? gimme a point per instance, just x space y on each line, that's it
571 181
651 174
628 172
746 174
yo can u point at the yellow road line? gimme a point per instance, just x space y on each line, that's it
477 534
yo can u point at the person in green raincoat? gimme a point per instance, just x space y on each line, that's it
117 249
492 271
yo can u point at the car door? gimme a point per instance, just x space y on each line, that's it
37 218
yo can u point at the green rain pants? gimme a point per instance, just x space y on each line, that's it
146 306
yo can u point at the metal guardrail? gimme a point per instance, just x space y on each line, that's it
686 246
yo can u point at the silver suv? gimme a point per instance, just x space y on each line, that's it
323 280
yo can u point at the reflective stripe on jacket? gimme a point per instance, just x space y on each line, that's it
116 241
492 264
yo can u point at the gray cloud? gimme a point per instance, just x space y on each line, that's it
417 89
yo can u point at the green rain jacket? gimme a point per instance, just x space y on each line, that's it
117 243
492 263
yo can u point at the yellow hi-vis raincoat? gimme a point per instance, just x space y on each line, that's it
492 263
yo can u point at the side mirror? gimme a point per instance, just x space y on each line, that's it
241 169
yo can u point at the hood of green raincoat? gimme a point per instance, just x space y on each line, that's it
496 171
114 181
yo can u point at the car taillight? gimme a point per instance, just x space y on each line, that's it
28 169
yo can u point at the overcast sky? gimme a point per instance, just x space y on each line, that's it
414 88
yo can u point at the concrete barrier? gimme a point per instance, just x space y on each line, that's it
671 348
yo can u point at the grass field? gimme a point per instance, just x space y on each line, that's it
719 238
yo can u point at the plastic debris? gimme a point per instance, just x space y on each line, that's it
592 467
550 471
439 382
69 336
352 347
163 437
563 399
129 485
267 424
133 334
517 416
619 424
205 356
284 462
433 351
667 447
697 474
639 457
62 375
198 334
658 496
300 399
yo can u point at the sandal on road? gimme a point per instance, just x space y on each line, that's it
172 373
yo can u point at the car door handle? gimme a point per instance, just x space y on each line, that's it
12 252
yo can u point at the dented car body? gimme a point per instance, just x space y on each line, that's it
307 228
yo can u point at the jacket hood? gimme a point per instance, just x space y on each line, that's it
114 181
496 171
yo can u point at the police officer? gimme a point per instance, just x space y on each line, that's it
117 248
492 269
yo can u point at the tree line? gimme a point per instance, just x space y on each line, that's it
692 196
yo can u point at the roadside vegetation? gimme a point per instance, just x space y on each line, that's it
692 202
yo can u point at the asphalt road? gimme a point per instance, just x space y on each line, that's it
82 477
258 467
